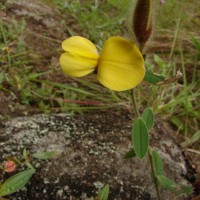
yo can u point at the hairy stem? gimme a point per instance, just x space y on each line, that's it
134 102
137 114
154 174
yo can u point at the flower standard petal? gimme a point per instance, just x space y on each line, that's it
121 65
80 57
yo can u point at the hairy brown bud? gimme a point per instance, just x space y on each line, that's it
142 22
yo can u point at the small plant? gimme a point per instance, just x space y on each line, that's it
103 194
120 67
19 180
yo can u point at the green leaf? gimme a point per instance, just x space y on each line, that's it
192 140
45 155
177 122
174 187
1 78
196 43
130 154
66 87
157 161
103 194
148 117
140 138
152 78
25 153
44 107
159 61
196 137
122 5
16 182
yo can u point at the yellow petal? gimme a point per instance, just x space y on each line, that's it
121 65
80 57
81 46
76 65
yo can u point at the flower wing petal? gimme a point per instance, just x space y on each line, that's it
81 46
80 57
121 65
76 65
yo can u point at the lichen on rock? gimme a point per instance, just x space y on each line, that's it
92 149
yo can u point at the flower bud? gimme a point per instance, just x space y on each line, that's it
142 22
9 166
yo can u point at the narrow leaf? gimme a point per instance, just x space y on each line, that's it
152 78
157 161
1 78
130 154
174 187
45 155
140 138
159 61
192 140
103 194
16 182
25 153
148 117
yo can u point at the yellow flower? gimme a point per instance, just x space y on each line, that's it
119 67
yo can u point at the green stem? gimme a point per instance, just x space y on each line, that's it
29 165
154 174
135 108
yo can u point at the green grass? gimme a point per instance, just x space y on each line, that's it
169 12
98 20
28 86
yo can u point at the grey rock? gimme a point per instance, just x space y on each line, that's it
92 149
